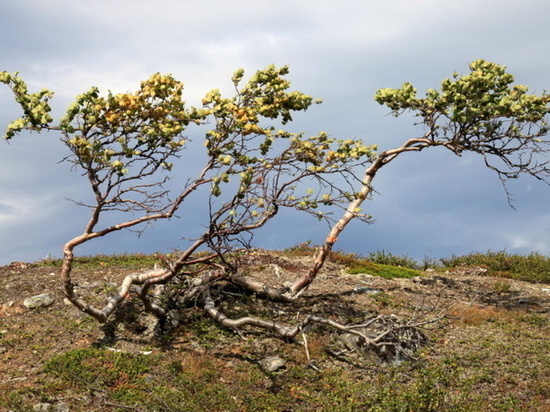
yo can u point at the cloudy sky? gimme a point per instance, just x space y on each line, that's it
429 204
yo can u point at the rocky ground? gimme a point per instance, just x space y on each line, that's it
474 311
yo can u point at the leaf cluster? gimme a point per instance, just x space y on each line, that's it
480 101
111 132
36 109
485 113
257 167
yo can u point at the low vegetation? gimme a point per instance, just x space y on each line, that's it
534 267
203 382
489 352
137 261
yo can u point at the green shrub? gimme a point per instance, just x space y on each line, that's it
386 258
381 264
385 271
301 249
348 259
534 267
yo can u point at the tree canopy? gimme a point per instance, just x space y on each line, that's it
482 112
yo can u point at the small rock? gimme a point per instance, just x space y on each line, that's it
364 289
48 407
3 349
38 301
61 407
42 407
272 363
149 379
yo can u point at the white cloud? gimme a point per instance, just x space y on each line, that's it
522 242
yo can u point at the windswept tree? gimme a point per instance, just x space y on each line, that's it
125 146
252 168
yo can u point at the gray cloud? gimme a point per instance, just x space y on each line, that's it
430 203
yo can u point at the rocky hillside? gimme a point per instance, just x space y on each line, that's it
487 345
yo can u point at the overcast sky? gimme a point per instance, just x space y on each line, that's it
429 204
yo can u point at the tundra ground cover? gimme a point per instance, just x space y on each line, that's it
490 353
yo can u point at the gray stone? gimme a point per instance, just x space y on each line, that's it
272 363
48 407
364 289
42 407
61 407
38 301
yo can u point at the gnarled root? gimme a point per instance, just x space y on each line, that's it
146 279
261 289
385 336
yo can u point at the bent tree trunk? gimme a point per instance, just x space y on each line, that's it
354 208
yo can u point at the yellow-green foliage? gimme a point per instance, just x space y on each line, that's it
479 101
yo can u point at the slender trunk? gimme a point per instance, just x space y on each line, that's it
301 284
352 210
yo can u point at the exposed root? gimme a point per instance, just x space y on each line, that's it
140 284
261 289
383 338
392 340
387 337
148 278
